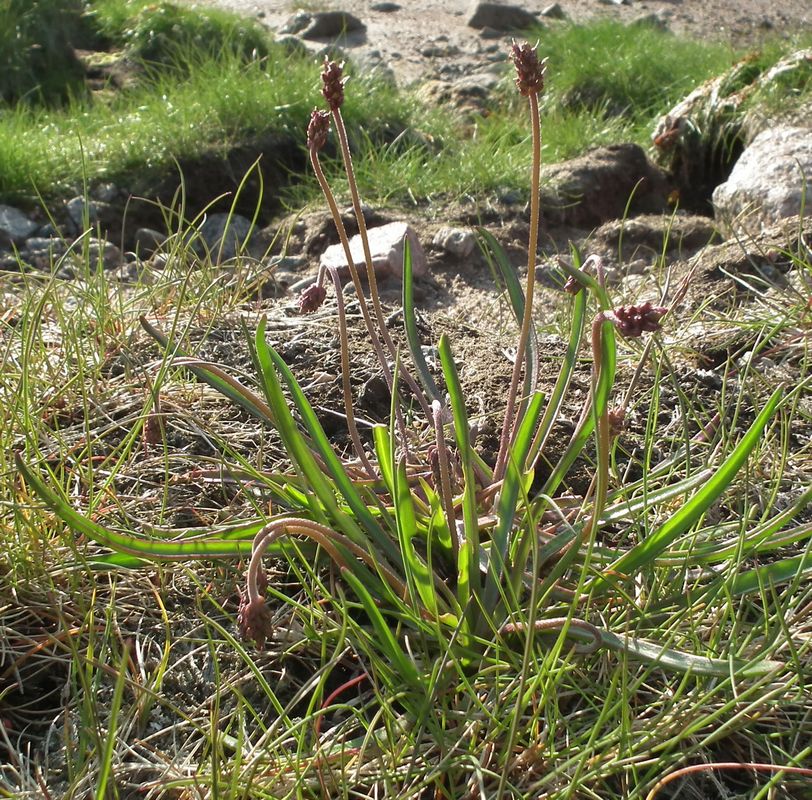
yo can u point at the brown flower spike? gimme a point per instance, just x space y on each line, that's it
529 70
317 129
634 321
333 84
254 620
311 298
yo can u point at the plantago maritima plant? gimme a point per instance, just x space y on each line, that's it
433 542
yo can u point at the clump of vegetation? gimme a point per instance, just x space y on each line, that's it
37 61
462 588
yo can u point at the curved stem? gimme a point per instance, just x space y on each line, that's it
322 535
557 624
508 427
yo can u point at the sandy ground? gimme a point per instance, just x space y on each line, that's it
399 35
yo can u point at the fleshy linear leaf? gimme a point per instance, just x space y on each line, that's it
692 510
410 323
215 377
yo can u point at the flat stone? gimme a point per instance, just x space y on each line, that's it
15 226
457 242
385 7
768 183
331 24
500 17
386 248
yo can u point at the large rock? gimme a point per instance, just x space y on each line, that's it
324 25
15 226
769 182
598 186
222 236
701 137
386 248
500 17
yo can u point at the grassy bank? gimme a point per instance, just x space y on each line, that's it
204 83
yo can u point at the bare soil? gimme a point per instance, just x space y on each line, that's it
400 35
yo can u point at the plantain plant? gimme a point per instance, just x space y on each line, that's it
431 539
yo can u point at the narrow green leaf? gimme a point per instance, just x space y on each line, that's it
216 378
783 571
403 665
203 546
693 509
496 255
410 323
418 575
507 503
468 578
320 443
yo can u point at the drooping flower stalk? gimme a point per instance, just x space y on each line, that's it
333 92
254 618
530 82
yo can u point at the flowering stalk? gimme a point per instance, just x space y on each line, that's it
254 617
345 377
444 474
632 322
333 92
530 82
316 137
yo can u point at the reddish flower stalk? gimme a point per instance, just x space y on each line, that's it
530 81
254 618
333 91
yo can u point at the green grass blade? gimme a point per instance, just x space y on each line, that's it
507 502
106 757
410 323
496 255
692 510
320 443
468 585
227 386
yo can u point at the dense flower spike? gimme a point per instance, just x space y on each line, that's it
311 298
633 321
317 129
333 84
254 620
529 70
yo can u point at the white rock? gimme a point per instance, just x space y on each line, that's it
768 182
455 241
386 248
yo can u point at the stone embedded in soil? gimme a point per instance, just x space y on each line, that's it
554 12
596 187
330 25
500 17
457 242
82 211
148 241
15 226
768 183
386 248
222 236
385 7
